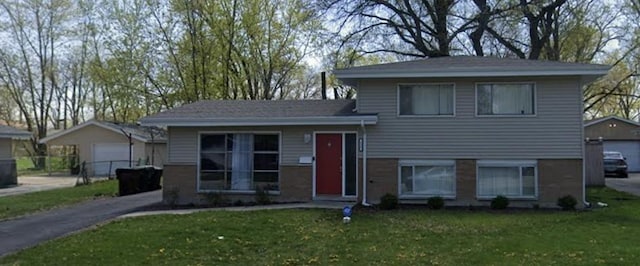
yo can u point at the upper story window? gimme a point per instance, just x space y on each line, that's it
425 99
505 99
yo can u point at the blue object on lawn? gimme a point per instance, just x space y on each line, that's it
346 211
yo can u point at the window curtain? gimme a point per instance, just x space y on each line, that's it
428 180
241 162
496 181
512 99
432 99
425 100
446 99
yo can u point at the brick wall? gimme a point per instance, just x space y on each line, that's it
382 178
295 183
180 185
466 182
557 178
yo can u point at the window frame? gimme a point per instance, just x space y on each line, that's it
415 163
229 191
509 163
453 86
534 86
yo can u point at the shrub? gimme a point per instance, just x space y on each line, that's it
435 203
567 202
499 203
173 195
217 199
388 202
262 195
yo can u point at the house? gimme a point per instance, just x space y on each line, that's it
463 128
8 170
106 146
617 134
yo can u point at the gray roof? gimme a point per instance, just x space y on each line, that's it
14 133
258 112
470 66
141 133
606 118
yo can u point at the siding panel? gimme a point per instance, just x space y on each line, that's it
5 148
183 144
554 132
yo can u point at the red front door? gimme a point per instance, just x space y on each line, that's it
329 164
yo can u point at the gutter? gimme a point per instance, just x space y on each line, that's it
364 164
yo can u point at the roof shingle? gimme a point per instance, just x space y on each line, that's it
260 109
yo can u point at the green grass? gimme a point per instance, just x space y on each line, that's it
25 166
318 237
13 206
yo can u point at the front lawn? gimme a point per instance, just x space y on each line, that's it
408 237
13 206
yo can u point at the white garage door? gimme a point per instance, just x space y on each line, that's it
629 149
109 155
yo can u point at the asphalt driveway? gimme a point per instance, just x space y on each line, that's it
28 231
629 185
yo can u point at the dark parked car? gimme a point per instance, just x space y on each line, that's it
615 164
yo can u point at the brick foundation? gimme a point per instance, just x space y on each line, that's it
466 182
382 178
557 178
296 183
180 186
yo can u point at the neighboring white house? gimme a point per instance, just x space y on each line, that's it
106 146
8 171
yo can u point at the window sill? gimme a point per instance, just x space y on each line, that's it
506 116
238 192
425 196
426 116
518 198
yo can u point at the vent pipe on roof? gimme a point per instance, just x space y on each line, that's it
323 79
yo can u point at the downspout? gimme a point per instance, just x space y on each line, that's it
364 164
584 167
584 175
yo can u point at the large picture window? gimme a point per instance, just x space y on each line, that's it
240 161
427 178
511 179
428 99
505 99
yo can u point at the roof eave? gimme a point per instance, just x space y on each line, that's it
282 121
16 135
600 120
85 124
463 74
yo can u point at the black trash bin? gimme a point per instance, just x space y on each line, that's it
137 180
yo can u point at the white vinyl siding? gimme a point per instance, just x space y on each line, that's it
513 179
426 99
421 179
554 133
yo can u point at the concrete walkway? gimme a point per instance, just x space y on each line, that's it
28 231
28 184
312 205
630 185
